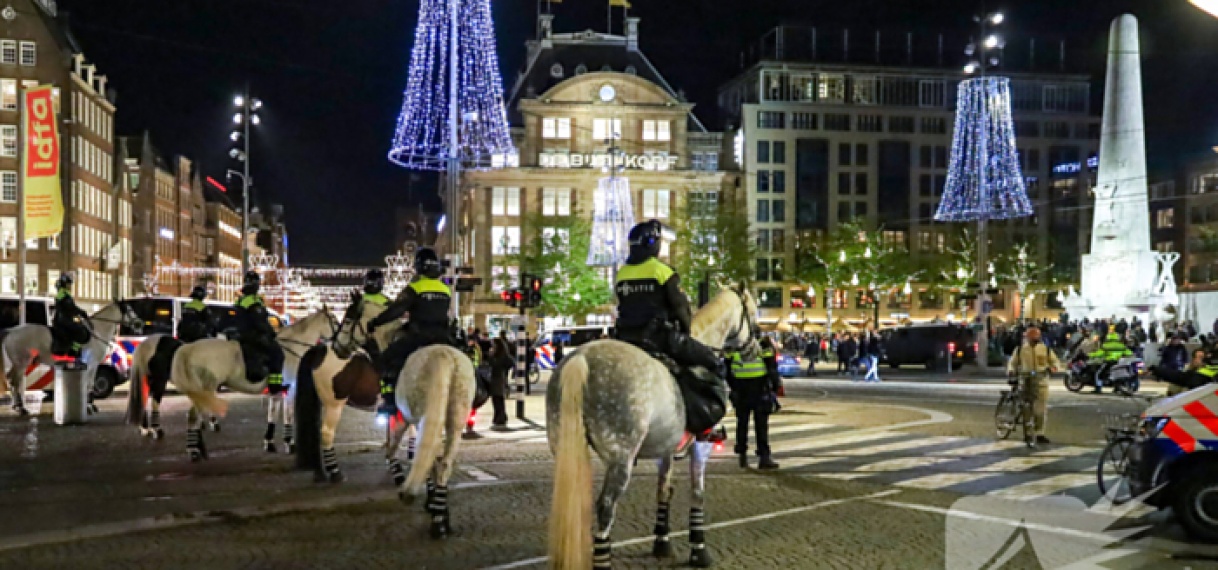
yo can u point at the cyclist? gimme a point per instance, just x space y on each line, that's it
1033 357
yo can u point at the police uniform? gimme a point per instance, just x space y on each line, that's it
374 283
1112 351
263 356
754 386
427 299
195 324
68 322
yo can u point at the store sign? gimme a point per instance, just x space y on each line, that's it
602 160
42 196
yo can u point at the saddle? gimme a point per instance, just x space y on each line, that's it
63 337
703 393
162 360
255 359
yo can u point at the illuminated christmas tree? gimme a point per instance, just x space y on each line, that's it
453 61
984 181
612 219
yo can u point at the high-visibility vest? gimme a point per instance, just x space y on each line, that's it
747 369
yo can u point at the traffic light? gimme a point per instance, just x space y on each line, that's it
509 297
518 299
534 291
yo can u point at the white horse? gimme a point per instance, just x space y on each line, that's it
332 377
624 403
201 367
24 344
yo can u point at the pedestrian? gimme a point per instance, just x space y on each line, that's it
1174 356
874 350
502 361
1033 357
812 354
755 387
846 351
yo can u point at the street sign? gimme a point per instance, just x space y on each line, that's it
968 297
465 270
467 284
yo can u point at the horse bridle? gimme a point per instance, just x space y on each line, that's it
334 328
746 320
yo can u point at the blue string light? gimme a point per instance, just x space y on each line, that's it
421 140
612 219
984 181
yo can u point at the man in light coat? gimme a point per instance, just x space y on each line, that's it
1034 356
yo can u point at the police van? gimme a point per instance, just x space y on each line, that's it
111 373
1174 460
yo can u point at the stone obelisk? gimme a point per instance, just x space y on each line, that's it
1120 272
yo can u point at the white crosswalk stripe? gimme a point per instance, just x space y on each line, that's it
1044 487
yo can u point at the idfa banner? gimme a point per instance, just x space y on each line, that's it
43 198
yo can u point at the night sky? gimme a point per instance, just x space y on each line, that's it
331 75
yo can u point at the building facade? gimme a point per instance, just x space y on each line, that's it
582 98
1197 202
828 137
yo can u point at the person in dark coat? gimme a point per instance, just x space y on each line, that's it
812 354
847 348
503 359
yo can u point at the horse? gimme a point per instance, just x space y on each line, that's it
331 377
201 367
624 403
25 344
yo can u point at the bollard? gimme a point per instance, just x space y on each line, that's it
71 396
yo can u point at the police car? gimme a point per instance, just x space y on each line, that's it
1174 461
111 373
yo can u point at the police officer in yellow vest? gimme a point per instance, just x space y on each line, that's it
1111 352
1201 371
69 322
372 296
755 385
263 356
427 299
195 324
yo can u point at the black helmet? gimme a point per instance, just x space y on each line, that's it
198 293
64 280
374 281
645 240
427 263
252 282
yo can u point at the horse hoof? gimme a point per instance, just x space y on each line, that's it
290 449
321 477
398 479
158 434
701 558
215 426
662 549
23 412
440 530
406 498
337 477
145 432
195 455
269 447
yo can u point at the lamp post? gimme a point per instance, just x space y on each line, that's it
245 117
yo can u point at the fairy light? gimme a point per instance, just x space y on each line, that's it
421 140
984 181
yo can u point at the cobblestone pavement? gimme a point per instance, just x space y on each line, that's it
869 478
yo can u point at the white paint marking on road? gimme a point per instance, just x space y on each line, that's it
925 441
797 462
478 474
724 524
1095 536
1016 464
980 449
1044 487
821 441
902 463
943 480
1067 451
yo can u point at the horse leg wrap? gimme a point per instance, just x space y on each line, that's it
602 552
155 425
438 507
699 556
410 451
194 444
399 474
662 547
329 460
268 439
289 434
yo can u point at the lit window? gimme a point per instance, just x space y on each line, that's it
8 140
556 128
657 131
8 94
505 240
505 201
8 51
556 202
605 129
655 204
8 186
29 54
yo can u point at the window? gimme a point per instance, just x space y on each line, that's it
871 123
505 201
860 155
924 213
837 122
657 131
779 181
556 128
1033 159
8 94
776 272
844 212
843 154
605 129
769 298
1057 130
860 210
763 152
904 125
703 204
763 270
931 94
860 183
1027 129
505 240
29 54
53 242
551 236
863 91
804 121
780 210
940 157
8 51
1165 218
763 241
556 202
934 125
843 183
780 152
924 186
763 180
655 204
8 140
924 156
831 88
771 120
763 210
8 186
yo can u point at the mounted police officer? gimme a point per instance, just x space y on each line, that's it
263 356
195 323
68 325
427 299
654 314
372 296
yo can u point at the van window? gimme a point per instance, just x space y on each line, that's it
35 313
224 316
157 315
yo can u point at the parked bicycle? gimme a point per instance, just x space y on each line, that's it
1117 464
1015 409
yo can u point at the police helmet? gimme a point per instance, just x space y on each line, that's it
427 263
64 280
374 281
645 238
251 284
198 293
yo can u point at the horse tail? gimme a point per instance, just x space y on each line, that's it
437 371
571 504
137 389
308 411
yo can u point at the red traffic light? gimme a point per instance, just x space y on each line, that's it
951 347
504 295
519 296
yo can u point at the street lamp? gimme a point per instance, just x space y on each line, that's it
246 106
981 59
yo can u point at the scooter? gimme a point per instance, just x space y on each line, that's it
1123 377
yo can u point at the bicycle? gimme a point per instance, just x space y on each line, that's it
1116 467
1015 409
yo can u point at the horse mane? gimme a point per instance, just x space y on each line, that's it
711 314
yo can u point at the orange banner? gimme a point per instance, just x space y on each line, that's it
43 197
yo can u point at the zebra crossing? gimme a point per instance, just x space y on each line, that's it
957 464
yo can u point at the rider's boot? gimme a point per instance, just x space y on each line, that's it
268 440
389 406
